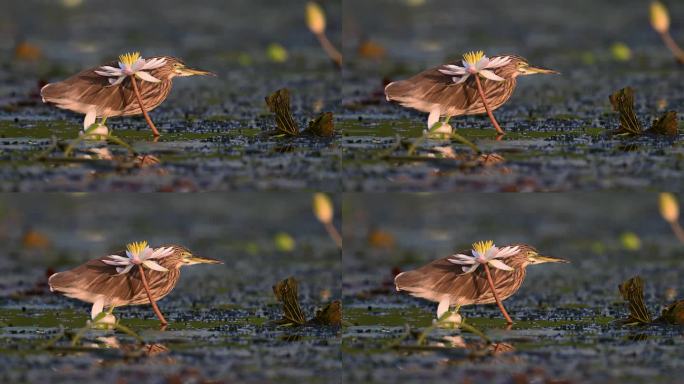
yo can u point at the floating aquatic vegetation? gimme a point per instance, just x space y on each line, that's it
632 290
287 293
315 20
279 104
324 211
323 125
623 103
660 21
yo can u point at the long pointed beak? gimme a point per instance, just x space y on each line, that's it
196 72
202 260
539 259
541 70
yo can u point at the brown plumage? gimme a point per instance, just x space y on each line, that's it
91 94
436 93
432 88
99 283
444 282
87 89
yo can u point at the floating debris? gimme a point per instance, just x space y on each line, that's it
279 104
623 103
287 293
632 290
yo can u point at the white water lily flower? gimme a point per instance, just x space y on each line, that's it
131 64
485 252
476 63
138 253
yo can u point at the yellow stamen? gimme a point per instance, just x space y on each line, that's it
129 58
483 246
136 247
473 57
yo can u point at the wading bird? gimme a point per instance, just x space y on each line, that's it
456 280
456 89
119 89
115 280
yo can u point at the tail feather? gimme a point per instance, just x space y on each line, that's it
53 92
408 281
395 90
61 281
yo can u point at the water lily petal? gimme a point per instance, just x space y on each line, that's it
154 63
499 265
153 265
147 77
462 79
506 252
461 262
161 252
138 65
113 82
124 270
491 75
118 261
145 253
470 269
451 73
482 63
491 252
498 62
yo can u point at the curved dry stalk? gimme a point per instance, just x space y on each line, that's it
486 105
330 49
672 46
678 230
496 295
155 132
333 233
149 296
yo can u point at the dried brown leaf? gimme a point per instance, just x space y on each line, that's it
623 103
330 315
632 290
287 292
323 125
666 125
279 104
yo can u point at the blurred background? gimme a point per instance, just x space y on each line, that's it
566 314
216 312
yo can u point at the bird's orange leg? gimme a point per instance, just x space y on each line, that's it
496 295
486 105
142 107
149 296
